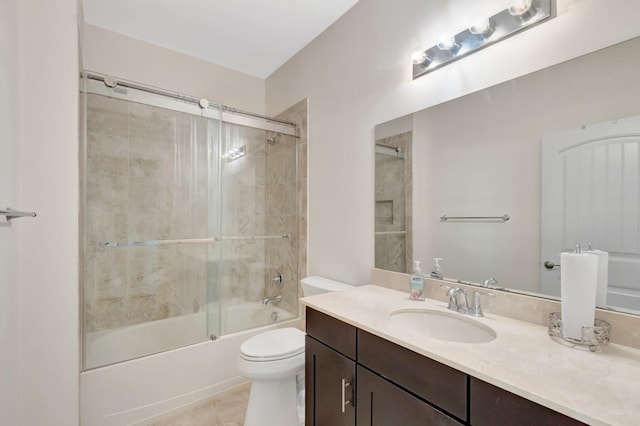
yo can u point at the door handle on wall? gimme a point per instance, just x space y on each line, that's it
343 401
550 265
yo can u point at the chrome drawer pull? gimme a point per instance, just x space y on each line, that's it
344 395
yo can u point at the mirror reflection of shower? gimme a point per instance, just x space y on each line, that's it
393 244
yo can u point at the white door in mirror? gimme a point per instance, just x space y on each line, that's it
590 194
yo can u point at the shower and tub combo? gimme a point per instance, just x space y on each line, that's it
189 211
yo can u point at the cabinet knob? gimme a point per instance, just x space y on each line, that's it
343 401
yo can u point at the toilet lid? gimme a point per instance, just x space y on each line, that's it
273 345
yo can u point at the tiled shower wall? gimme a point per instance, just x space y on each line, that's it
243 215
146 180
138 189
260 199
288 210
264 195
393 252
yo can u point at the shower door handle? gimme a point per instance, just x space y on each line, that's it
343 400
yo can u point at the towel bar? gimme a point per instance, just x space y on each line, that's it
10 213
504 217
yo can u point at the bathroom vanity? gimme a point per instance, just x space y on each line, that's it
364 369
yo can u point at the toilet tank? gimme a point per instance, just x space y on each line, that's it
318 285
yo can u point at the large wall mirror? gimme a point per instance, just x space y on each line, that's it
555 153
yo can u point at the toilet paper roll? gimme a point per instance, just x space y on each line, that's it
603 277
579 281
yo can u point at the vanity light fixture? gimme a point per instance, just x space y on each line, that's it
481 25
419 56
448 43
236 153
482 32
524 9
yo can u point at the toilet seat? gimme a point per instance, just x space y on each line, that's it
273 345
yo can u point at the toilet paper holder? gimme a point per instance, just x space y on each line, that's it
594 337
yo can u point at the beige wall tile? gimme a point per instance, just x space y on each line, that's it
107 155
110 313
110 274
107 116
138 190
142 309
152 123
107 193
105 226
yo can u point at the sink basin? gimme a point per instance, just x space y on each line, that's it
441 325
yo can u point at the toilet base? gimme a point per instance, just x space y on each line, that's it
273 403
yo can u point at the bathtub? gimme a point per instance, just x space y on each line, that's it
138 391
624 298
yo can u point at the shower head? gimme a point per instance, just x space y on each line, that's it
271 140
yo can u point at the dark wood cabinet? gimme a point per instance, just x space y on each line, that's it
332 332
442 386
330 371
491 406
329 386
356 378
382 403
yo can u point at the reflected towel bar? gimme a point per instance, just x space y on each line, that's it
391 232
112 244
504 217
254 237
12 214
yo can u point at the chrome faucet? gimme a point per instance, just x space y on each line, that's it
458 301
272 300
278 279
489 282
476 309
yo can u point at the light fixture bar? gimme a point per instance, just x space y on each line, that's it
235 153
503 24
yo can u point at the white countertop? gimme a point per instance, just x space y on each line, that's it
598 388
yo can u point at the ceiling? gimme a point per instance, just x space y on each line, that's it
251 36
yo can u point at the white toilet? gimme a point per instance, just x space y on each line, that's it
274 361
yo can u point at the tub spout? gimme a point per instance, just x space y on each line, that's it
272 300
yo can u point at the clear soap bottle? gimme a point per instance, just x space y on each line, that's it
417 283
436 272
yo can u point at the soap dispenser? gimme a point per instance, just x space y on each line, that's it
417 283
436 272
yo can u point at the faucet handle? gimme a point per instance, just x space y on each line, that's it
489 282
476 309
452 294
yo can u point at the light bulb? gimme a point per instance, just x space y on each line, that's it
447 42
418 56
521 8
480 25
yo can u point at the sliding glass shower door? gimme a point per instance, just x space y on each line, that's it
259 228
151 175
190 219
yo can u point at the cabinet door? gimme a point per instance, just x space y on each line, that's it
384 404
491 406
329 382
442 386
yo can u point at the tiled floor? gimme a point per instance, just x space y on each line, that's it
227 410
